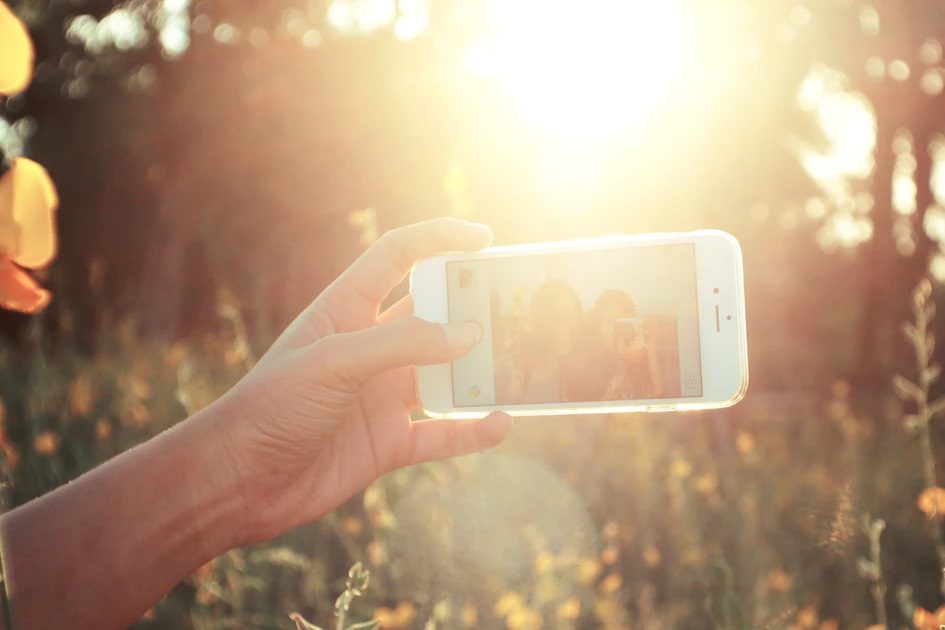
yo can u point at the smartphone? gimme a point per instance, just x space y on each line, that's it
617 324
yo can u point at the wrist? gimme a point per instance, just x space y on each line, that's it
218 492
148 518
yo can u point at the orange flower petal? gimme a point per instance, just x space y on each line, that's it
16 53
28 201
9 231
18 291
931 501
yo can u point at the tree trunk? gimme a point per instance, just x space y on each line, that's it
877 265
924 198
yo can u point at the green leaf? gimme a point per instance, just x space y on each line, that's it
358 578
867 569
937 407
301 623
905 388
344 601
922 293
912 423
910 331
933 372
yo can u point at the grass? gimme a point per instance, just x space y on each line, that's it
740 518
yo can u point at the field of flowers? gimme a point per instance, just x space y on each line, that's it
219 163
799 512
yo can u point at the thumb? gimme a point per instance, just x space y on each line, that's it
361 355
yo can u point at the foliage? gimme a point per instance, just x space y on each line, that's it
355 586
739 518
208 193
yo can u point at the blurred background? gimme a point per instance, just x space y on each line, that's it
220 162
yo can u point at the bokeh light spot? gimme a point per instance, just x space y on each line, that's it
898 70
931 51
800 15
869 20
932 81
226 33
875 68
311 38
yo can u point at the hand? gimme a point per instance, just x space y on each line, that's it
326 411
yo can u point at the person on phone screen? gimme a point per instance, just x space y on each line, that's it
549 332
613 359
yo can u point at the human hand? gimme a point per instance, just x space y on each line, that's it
326 411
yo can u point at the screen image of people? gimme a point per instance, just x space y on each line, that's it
617 324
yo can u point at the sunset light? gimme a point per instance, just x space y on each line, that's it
590 70
256 370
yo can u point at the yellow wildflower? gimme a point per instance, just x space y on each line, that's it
778 581
652 556
588 568
46 443
680 469
931 501
570 609
399 617
470 615
611 583
508 603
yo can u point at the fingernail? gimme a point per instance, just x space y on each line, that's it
480 227
494 428
462 335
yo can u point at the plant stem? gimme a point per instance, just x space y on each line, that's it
923 342
878 588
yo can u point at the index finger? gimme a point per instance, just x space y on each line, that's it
371 277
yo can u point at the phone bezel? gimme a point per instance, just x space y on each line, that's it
723 341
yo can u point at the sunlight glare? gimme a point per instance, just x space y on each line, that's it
903 179
360 17
848 125
587 69
568 176
937 151
937 267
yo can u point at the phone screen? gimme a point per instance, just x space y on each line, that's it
605 325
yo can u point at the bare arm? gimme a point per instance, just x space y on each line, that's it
324 413
102 549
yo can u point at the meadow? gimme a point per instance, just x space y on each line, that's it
800 512
218 164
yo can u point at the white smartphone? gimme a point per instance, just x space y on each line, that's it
627 323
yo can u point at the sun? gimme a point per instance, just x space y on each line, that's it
585 69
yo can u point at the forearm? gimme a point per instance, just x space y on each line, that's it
101 550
